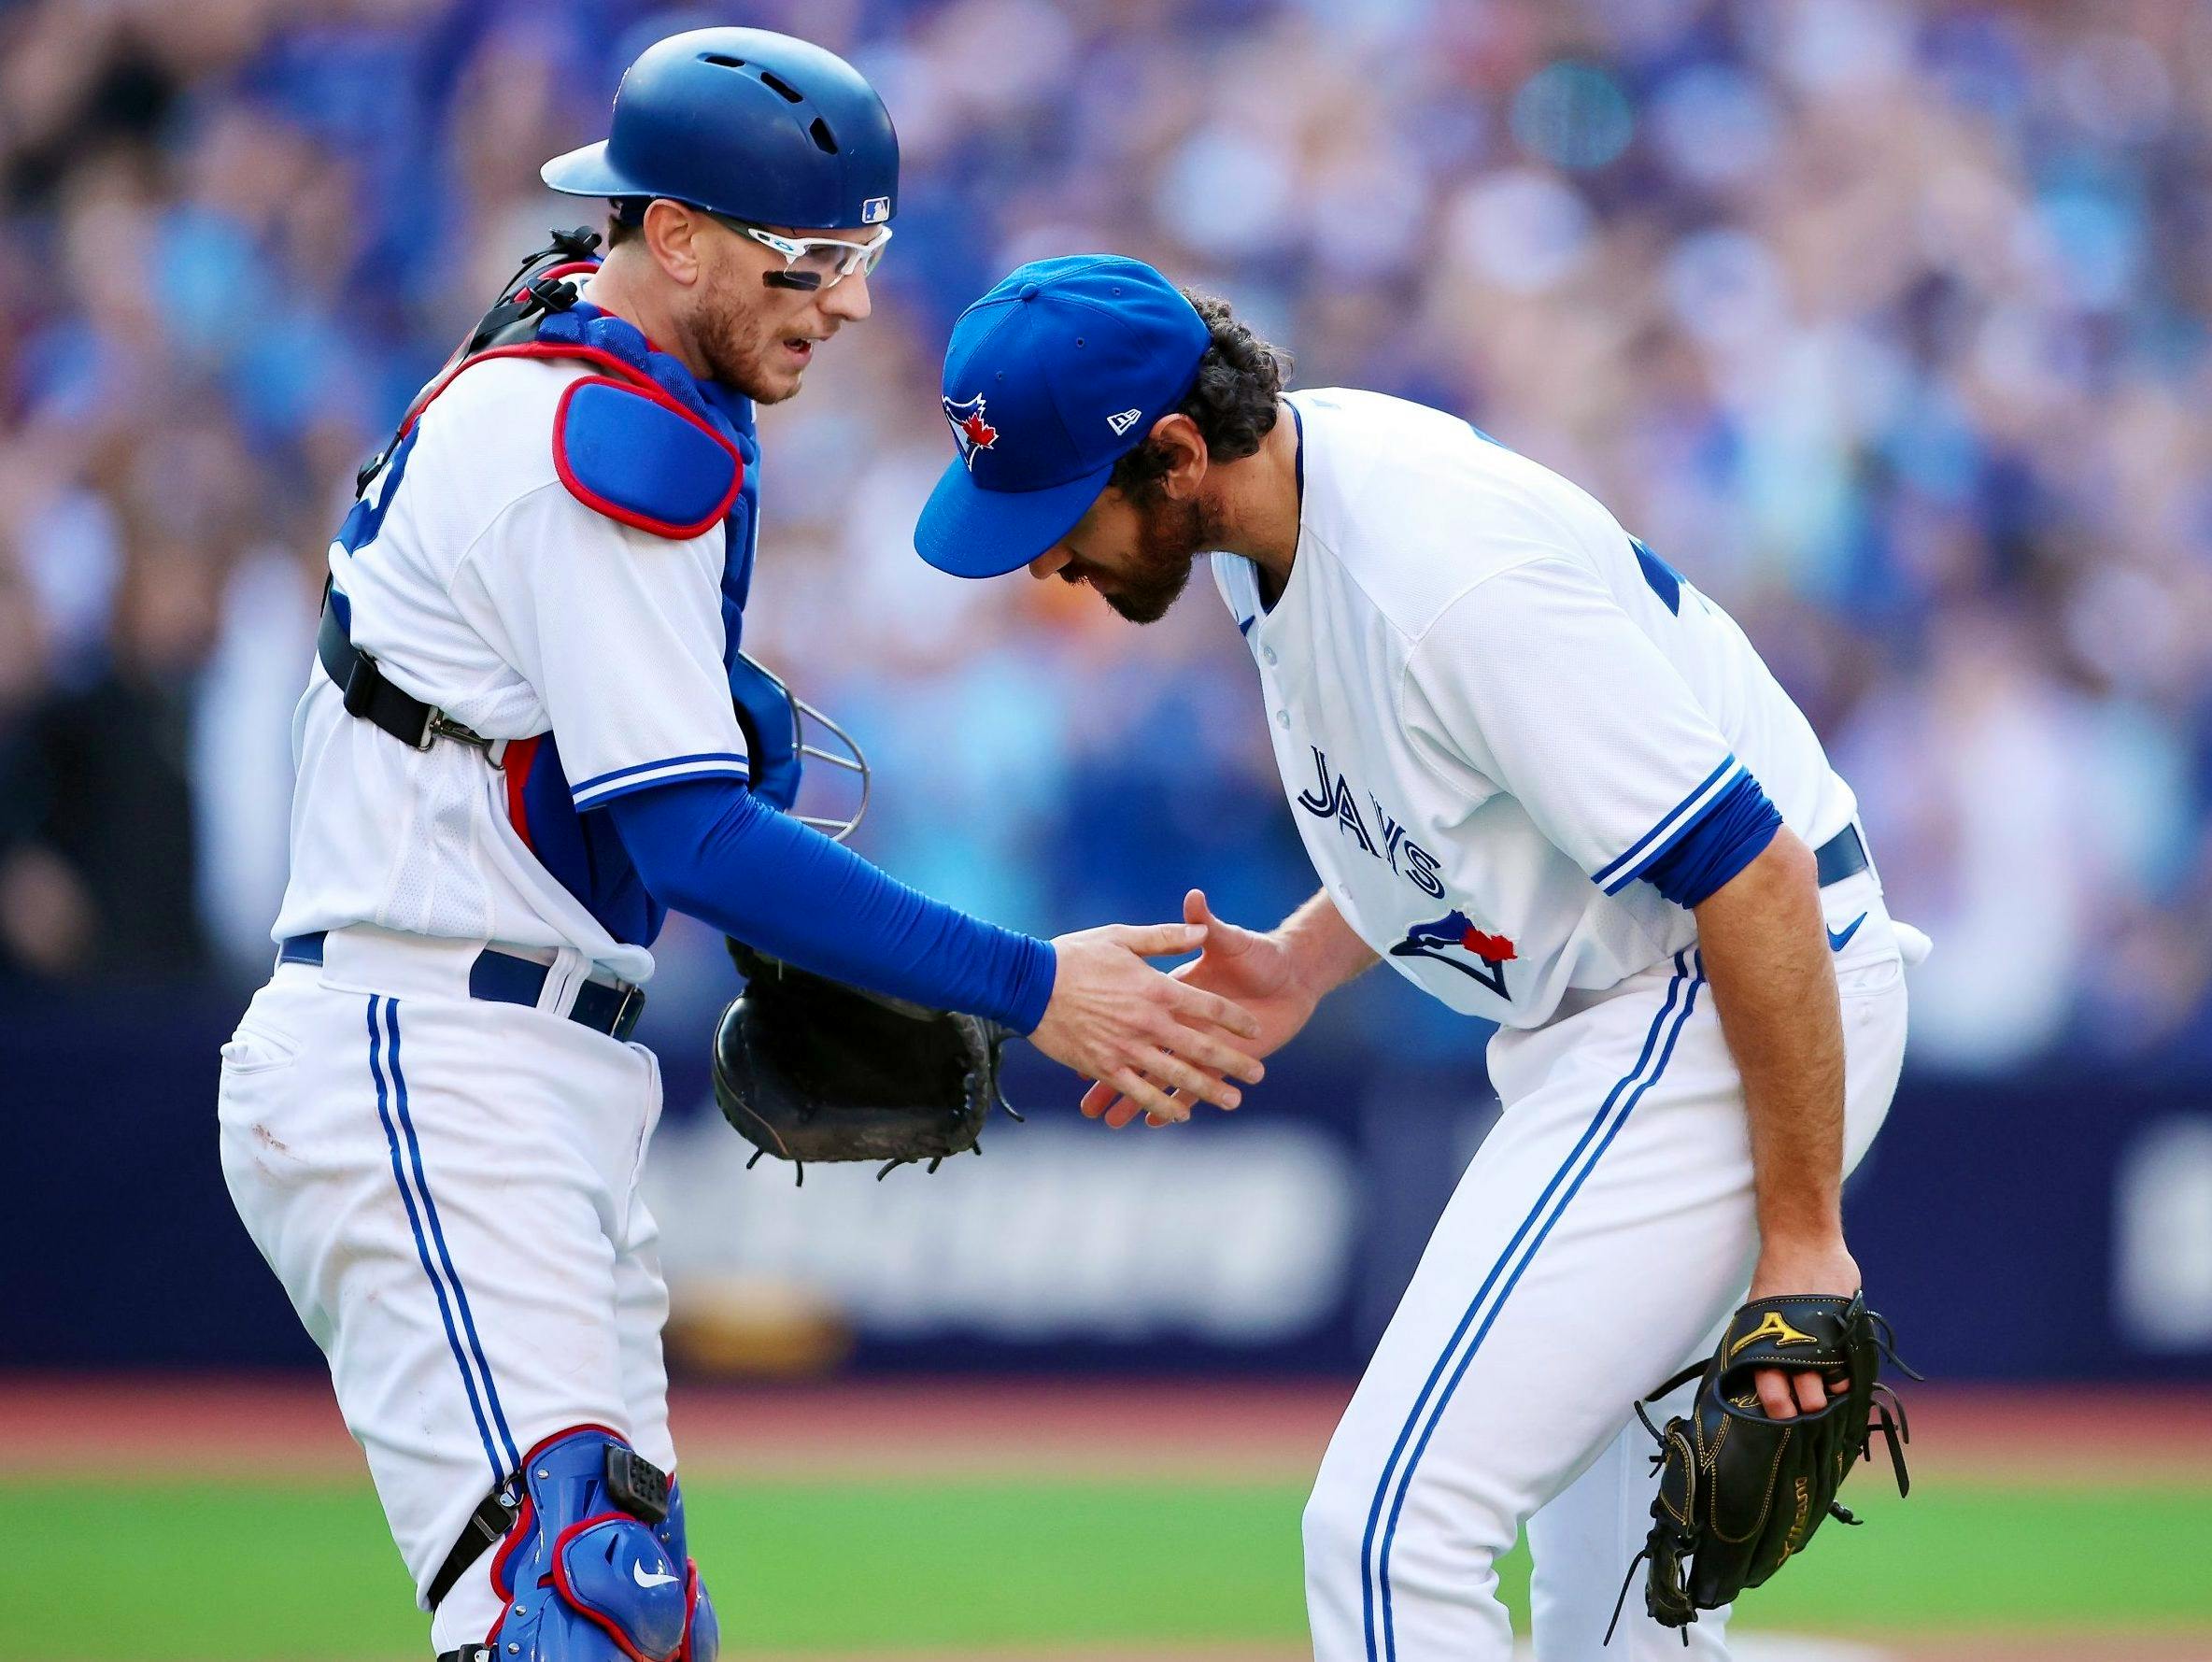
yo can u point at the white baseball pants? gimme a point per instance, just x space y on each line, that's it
1598 1241
448 1188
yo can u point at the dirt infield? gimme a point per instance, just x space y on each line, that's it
187 1424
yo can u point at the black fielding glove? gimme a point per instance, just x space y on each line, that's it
810 1069
1740 1494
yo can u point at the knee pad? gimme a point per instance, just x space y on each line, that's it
596 1569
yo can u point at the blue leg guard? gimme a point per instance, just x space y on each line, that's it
702 1632
596 1569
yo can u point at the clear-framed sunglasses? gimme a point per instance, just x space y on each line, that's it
814 262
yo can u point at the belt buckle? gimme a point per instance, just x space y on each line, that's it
627 1010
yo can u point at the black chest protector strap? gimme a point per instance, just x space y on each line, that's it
368 694
375 700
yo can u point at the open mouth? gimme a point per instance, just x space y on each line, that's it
801 348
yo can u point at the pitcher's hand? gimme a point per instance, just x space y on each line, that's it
1815 1266
1114 1018
1254 970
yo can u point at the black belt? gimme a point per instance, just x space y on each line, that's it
370 696
612 1009
1843 855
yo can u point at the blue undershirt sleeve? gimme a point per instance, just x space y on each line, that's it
1734 828
707 847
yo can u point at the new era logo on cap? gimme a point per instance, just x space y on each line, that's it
1122 421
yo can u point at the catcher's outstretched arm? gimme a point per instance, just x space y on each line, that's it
1087 999
1774 988
710 848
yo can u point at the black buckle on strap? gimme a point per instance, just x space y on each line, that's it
633 1483
372 697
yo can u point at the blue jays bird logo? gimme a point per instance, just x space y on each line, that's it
971 431
1455 933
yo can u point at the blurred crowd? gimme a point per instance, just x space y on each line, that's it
1887 323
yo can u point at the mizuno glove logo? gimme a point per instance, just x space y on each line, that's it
660 1578
1772 1327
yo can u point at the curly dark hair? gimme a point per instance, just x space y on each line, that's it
1235 400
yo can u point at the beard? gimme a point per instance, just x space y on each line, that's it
1171 536
742 350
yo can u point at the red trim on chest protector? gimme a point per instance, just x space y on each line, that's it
674 530
514 766
629 378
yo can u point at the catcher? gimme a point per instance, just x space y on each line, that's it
524 739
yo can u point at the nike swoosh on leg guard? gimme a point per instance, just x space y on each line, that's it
586 1580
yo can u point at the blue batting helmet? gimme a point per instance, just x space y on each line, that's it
746 123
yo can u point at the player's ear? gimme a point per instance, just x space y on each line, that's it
671 233
1177 437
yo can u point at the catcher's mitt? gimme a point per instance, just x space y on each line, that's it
1738 1492
810 1069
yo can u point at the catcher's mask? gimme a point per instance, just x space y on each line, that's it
783 731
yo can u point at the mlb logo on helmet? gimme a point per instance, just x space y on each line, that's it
1079 357
971 431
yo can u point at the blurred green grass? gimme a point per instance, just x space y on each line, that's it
259 1570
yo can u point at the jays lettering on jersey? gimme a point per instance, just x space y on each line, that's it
489 577
1493 711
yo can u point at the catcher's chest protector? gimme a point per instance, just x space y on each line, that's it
640 439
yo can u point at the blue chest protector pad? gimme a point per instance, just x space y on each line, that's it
650 453
620 447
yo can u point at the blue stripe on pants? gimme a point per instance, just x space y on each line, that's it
399 1177
437 1234
1606 1125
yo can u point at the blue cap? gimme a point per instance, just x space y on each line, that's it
1051 378
746 123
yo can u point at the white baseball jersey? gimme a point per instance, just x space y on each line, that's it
1494 710
483 587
